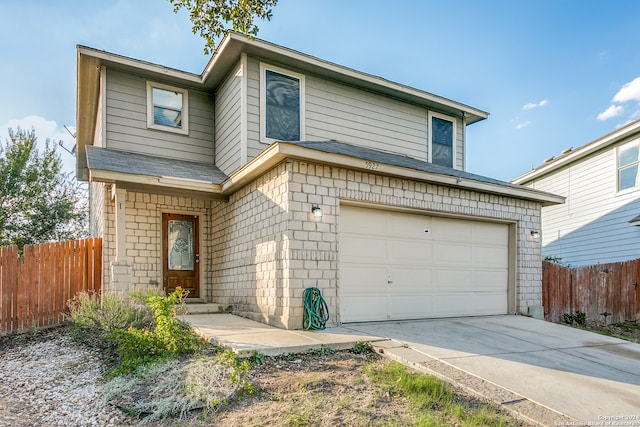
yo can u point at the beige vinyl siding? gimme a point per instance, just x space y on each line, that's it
348 115
228 124
458 162
254 146
127 124
342 113
592 226
98 133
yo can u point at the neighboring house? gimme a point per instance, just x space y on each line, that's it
274 171
599 221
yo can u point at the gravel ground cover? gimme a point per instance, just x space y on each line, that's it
48 380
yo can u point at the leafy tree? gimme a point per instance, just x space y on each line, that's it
213 18
38 202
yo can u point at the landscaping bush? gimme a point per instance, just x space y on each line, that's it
168 338
134 334
577 319
95 320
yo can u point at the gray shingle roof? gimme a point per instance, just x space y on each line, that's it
393 159
141 164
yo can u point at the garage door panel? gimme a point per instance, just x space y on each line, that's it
491 280
490 233
363 308
369 249
363 279
409 279
408 225
448 280
458 268
409 306
409 252
458 304
451 230
452 254
490 256
351 221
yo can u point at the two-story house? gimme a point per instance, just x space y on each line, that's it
601 183
274 171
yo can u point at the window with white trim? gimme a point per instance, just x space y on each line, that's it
627 165
281 105
442 139
167 108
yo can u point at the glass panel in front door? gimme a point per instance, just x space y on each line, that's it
180 245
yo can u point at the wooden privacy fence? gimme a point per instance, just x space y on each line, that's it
606 293
36 287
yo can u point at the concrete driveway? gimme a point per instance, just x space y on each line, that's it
588 377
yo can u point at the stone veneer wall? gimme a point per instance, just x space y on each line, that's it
269 248
262 248
250 258
143 214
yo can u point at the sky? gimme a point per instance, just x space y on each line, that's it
552 74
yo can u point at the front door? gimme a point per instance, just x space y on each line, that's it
181 253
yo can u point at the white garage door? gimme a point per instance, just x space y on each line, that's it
397 265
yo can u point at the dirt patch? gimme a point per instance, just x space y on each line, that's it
297 390
325 390
322 390
629 331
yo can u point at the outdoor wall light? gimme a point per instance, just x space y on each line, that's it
316 211
535 234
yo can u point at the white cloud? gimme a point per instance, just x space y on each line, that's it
612 111
531 105
629 92
522 124
45 129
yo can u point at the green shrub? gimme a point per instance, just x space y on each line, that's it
361 347
95 320
131 333
168 338
579 318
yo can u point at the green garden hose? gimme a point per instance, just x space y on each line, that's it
316 312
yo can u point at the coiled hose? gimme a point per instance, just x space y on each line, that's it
316 312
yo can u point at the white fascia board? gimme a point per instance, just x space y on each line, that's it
578 153
99 175
140 65
279 151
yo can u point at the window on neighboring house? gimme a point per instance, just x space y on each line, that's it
167 108
281 105
442 140
628 176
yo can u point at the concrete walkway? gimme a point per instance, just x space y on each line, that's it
245 336
546 373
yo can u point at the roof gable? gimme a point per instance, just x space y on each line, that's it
571 156
226 56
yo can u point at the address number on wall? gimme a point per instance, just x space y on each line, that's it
371 165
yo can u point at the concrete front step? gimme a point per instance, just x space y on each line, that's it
205 308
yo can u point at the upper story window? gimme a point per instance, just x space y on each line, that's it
167 108
442 139
627 165
281 105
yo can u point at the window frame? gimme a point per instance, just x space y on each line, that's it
636 163
263 100
151 124
454 143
